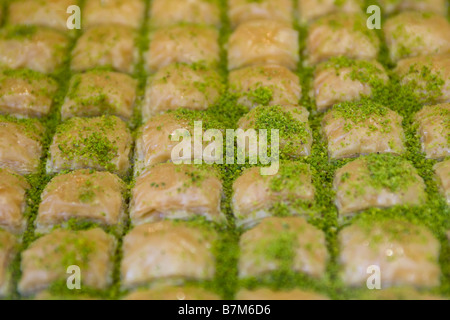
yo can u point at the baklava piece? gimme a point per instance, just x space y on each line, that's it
263 42
47 260
97 93
342 79
48 13
181 86
167 252
106 46
26 93
286 244
436 6
267 294
434 129
241 11
379 181
20 144
412 34
442 170
256 196
13 197
173 293
38 49
310 10
265 85
102 143
169 191
7 248
129 13
406 254
292 123
84 196
352 129
185 44
428 77
341 35
165 13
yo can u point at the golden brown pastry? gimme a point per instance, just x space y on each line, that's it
309 10
13 198
7 248
268 84
377 181
263 42
442 170
26 93
183 43
411 34
126 12
172 293
164 13
170 191
267 294
101 143
83 195
20 145
427 76
289 244
241 11
292 123
49 13
342 79
167 251
181 86
106 46
47 259
97 93
341 34
407 254
353 129
39 49
436 6
255 195
434 130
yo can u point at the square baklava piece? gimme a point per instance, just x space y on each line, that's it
97 93
181 86
101 143
410 34
263 42
13 197
240 11
309 10
257 196
109 46
341 79
357 128
406 254
434 130
341 34
169 191
37 48
21 144
47 259
82 196
165 13
184 44
26 93
285 244
167 252
48 13
377 181
268 84
128 13
391 6
295 135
